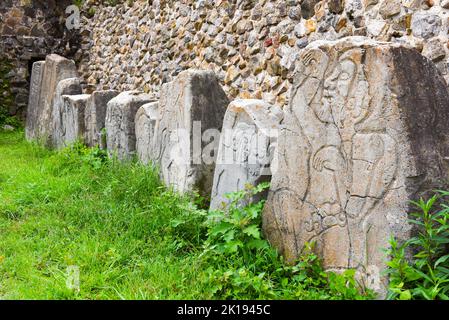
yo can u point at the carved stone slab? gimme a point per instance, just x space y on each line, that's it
119 124
73 117
95 116
365 132
247 142
33 102
57 68
191 107
69 86
146 118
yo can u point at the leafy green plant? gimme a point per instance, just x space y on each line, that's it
243 265
426 276
132 238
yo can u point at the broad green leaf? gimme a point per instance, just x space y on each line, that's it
252 231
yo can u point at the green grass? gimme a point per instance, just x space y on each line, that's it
58 211
131 238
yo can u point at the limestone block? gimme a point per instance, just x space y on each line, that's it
247 142
32 120
146 119
191 110
74 127
119 123
70 86
365 132
95 115
57 68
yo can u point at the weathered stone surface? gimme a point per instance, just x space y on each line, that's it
32 120
74 128
146 118
336 6
365 133
119 124
95 115
247 142
389 8
189 105
426 25
70 86
57 68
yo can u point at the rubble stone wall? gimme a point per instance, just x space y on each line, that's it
252 45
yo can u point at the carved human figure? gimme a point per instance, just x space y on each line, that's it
328 188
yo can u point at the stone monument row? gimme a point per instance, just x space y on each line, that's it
364 133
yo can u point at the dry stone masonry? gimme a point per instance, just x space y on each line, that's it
365 133
119 123
146 119
56 68
73 115
247 143
95 116
189 106
70 86
30 30
342 105
252 46
32 117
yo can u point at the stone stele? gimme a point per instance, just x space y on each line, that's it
119 124
191 110
69 86
247 142
73 117
365 132
146 118
95 116
56 68
33 102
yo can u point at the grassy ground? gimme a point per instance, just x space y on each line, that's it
77 212
57 212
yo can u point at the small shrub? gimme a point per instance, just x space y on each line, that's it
243 265
427 275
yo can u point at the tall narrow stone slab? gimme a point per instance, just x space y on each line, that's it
32 120
95 116
365 132
247 142
69 86
57 68
73 117
119 124
146 119
191 110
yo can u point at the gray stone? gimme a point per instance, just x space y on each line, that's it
119 124
32 121
95 115
364 134
7 127
336 6
57 68
434 50
247 142
70 86
189 106
389 8
308 8
146 119
426 25
73 118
